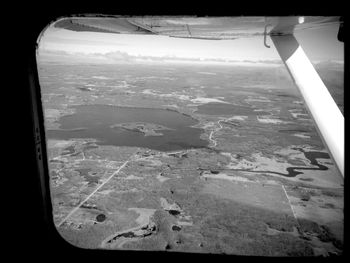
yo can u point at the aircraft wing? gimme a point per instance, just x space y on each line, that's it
208 28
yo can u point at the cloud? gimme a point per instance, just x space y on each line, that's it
119 56
60 56
188 21
329 64
64 57
264 61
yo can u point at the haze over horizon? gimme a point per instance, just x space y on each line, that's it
57 44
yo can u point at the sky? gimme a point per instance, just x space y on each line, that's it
319 44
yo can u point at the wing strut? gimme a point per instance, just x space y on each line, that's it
320 104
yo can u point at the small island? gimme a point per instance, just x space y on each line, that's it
148 129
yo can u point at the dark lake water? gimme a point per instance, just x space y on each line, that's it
94 121
227 109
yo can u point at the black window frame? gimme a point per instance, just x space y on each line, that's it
44 237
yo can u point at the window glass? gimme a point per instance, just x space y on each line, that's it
186 144
327 55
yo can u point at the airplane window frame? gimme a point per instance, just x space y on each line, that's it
42 158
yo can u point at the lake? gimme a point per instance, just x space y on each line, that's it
227 109
94 121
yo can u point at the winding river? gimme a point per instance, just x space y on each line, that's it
312 156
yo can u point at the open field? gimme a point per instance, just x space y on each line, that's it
262 184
